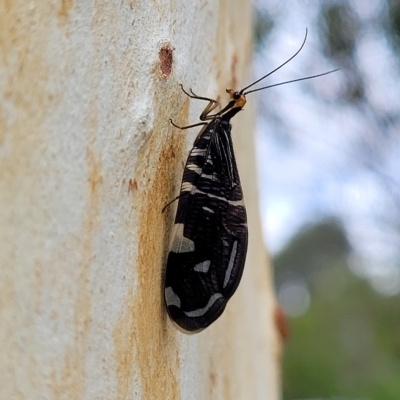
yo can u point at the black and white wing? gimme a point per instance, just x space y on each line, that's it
209 240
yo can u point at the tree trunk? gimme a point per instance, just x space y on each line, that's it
88 159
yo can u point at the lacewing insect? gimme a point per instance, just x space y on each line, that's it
209 239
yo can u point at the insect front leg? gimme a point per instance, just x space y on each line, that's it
193 95
205 115
212 105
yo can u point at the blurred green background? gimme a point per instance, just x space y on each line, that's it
329 152
346 344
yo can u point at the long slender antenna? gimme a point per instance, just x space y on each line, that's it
293 80
276 69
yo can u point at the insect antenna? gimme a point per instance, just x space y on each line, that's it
280 66
291 81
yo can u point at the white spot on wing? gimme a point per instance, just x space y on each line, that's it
181 244
194 168
203 266
231 263
208 209
187 187
199 171
213 177
171 298
198 152
212 196
201 311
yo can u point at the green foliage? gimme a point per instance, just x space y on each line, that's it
263 24
347 344
311 252
341 27
394 22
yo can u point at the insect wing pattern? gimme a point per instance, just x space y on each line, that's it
209 240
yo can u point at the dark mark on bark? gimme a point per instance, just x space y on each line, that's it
166 60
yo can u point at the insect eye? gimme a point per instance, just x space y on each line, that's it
236 96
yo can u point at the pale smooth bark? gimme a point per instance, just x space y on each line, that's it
87 161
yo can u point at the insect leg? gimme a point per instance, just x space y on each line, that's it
170 202
187 127
205 114
193 95
212 105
